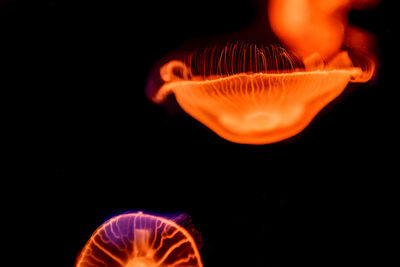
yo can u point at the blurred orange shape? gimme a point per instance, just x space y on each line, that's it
314 26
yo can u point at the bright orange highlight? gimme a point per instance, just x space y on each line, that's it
313 26
310 26
256 95
140 240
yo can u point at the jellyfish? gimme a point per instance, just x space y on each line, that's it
140 240
260 94
251 94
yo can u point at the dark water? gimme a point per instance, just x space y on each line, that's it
317 199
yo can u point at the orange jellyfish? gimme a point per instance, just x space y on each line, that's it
260 106
140 240
250 94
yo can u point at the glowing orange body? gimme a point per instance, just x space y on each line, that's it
258 108
140 240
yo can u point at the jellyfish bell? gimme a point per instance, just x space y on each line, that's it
252 95
140 240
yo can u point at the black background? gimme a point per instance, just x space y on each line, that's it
318 198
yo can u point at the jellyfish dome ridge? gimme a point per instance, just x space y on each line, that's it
140 240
